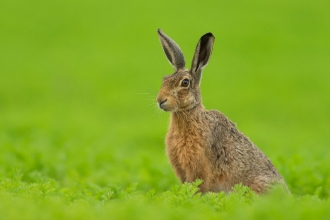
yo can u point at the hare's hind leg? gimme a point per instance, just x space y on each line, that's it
260 184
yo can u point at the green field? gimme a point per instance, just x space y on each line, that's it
81 136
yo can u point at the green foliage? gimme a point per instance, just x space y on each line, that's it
81 136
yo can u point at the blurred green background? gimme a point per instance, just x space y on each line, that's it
78 81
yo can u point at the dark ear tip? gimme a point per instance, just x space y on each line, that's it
208 35
159 31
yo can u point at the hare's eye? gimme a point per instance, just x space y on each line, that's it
185 83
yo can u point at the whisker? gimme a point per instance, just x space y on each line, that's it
143 93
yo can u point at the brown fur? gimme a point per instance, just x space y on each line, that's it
205 144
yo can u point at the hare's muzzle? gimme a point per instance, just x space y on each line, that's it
161 104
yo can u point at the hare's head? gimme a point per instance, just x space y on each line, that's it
180 90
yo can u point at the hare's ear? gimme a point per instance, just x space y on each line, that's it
202 55
172 51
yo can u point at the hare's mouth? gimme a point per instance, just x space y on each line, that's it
162 104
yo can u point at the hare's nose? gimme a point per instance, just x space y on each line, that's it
162 102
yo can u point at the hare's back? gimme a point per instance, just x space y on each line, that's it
233 152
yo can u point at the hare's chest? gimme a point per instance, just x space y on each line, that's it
186 151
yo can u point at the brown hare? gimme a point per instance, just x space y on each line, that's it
205 144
